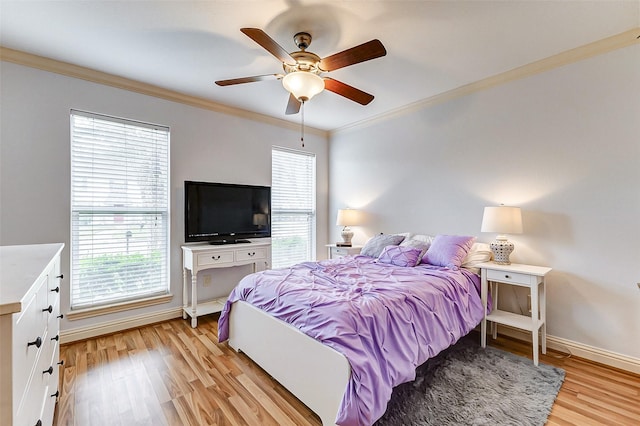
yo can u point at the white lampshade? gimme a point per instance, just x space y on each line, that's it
303 85
348 217
503 220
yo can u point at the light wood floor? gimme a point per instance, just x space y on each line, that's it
171 374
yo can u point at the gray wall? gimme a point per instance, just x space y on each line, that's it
205 145
563 145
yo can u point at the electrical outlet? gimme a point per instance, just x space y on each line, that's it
206 280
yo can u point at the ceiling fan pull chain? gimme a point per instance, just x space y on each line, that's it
302 124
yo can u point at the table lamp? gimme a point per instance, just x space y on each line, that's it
503 220
347 218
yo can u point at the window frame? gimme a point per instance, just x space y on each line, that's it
310 213
160 143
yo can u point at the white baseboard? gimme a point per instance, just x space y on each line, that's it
75 334
591 353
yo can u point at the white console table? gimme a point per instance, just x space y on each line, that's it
199 257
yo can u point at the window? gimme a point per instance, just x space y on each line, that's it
293 206
119 210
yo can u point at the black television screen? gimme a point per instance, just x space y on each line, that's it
226 213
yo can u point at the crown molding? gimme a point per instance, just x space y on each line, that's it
599 47
577 54
88 74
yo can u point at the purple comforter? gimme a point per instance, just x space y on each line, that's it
386 320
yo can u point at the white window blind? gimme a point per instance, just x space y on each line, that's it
293 206
119 209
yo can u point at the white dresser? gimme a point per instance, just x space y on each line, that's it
29 325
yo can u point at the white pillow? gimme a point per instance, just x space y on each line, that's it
419 237
406 235
479 253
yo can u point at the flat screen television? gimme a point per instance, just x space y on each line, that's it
223 213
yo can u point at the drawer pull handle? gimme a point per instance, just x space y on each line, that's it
251 254
56 338
37 342
49 309
48 370
216 257
61 276
57 289
55 395
61 362
507 276
60 316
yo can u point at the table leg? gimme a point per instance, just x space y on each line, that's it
534 321
543 316
194 299
184 293
483 297
494 297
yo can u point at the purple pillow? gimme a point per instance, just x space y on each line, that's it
422 245
448 251
400 256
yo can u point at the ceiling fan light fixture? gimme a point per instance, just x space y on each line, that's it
303 85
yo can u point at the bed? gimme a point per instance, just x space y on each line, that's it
341 333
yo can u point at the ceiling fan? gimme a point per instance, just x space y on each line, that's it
303 70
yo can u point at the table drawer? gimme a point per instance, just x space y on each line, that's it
340 252
510 277
217 258
251 254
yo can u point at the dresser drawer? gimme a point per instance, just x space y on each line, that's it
31 324
510 277
251 254
54 283
53 325
37 391
217 258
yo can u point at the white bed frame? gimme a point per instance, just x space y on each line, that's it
316 374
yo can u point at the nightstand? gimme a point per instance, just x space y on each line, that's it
528 276
335 252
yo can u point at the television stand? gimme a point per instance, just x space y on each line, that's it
199 257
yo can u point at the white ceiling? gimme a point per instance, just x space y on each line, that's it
433 46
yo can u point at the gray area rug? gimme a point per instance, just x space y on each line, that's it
468 385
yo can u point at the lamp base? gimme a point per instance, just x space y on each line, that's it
501 250
346 235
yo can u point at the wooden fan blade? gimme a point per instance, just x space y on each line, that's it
248 79
349 92
268 44
364 52
293 106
